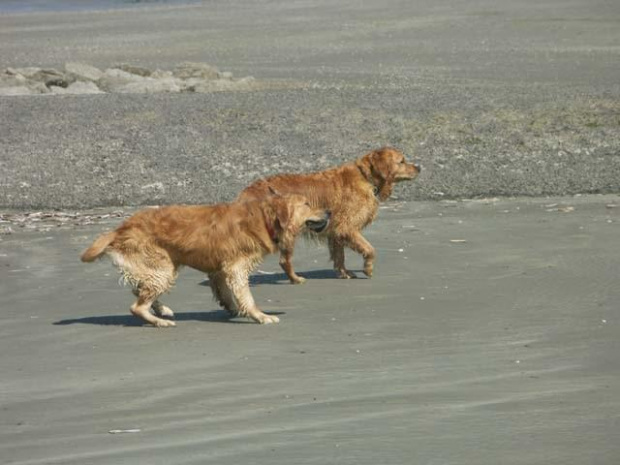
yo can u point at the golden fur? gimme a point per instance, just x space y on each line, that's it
226 241
351 192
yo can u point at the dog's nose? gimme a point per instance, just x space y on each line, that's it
417 167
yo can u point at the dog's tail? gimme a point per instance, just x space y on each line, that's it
98 248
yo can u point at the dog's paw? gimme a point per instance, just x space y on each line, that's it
368 271
269 319
165 312
164 323
346 274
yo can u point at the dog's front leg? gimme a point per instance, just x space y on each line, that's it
221 292
286 262
237 283
358 243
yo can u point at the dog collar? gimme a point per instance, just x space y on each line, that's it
375 188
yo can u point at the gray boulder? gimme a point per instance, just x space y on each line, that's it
150 86
131 69
83 72
223 85
115 79
28 72
16 90
12 80
49 77
78 88
189 70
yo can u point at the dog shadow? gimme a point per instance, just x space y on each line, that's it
282 278
215 316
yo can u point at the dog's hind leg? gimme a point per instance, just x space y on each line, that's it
141 308
162 310
149 281
237 283
159 308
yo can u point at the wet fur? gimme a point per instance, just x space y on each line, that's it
226 241
351 192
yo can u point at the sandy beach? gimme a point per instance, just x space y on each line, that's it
489 334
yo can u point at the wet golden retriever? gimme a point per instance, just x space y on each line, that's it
351 192
226 241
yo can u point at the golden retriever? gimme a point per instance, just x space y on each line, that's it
226 241
351 192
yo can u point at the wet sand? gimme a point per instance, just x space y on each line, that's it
488 335
489 332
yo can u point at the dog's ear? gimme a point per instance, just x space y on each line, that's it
283 212
379 164
273 191
365 166
382 171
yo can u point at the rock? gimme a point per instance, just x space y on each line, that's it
14 83
58 90
247 81
50 77
131 69
81 78
159 74
150 86
38 88
16 90
114 79
83 72
12 80
222 85
189 85
196 70
56 81
78 88
26 72
84 88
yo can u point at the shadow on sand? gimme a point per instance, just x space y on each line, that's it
215 316
281 278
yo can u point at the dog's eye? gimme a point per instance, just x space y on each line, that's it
307 204
403 161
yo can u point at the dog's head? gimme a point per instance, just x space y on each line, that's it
293 213
386 166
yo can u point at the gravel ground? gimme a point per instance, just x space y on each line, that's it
492 98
